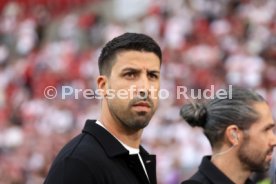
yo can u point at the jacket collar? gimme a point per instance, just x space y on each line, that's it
214 174
110 144
114 148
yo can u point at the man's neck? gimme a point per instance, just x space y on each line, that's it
232 168
130 138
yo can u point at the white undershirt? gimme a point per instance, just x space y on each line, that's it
132 151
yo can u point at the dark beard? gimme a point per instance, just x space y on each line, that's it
132 121
251 160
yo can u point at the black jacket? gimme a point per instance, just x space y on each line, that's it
96 157
208 173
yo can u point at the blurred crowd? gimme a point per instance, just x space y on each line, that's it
205 43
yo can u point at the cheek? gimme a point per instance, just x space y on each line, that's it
120 89
155 98
119 104
261 139
259 144
154 89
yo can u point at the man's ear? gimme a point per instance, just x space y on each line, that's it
102 83
232 134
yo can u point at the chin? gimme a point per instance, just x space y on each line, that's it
140 124
261 169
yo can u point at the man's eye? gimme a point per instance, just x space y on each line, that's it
130 75
153 76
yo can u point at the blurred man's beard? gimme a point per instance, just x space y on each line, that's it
253 159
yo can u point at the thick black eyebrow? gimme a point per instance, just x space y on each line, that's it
125 70
139 70
153 72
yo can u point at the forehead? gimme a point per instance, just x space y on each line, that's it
265 115
136 59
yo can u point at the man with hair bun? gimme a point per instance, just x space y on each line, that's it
240 131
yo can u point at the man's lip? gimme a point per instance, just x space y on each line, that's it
270 154
143 104
269 157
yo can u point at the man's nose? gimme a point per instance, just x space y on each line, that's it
143 83
273 140
143 86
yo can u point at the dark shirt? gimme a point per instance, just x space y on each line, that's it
95 156
208 173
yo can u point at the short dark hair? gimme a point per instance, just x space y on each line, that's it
216 115
125 42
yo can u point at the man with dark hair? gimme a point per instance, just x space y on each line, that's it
240 130
108 150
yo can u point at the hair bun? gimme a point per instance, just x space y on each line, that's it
195 114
